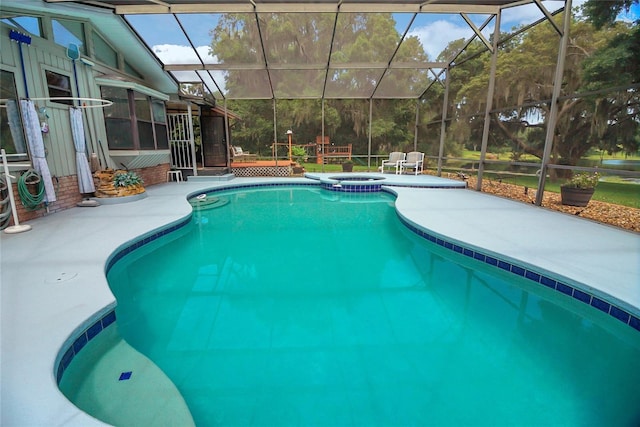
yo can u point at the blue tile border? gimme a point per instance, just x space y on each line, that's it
95 328
345 185
374 187
252 185
143 240
530 274
600 304
81 340
119 254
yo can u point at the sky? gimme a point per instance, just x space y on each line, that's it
434 31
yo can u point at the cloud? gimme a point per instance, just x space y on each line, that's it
176 54
529 13
525 15
436 35
435 32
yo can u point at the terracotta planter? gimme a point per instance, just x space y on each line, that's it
576 196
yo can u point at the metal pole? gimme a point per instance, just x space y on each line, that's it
89 115
370 124
490 91
289 137
226 135
275 133
415 129
553 112
443 124
20 39
192 141
75 77
16 228
322 141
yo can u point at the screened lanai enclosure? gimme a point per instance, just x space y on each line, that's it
490 87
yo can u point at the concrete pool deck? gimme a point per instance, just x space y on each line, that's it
52 277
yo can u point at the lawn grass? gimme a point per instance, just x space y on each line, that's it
314 167
616 192
625 194
619 193
595 156
475 155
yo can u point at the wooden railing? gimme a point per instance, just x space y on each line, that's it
328 152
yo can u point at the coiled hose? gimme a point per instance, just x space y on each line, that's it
5 206
30 201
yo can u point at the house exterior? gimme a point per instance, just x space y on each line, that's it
87 57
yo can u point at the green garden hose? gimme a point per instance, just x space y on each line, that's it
30 201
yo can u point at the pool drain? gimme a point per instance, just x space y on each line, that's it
62 277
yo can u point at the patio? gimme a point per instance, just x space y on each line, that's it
65 286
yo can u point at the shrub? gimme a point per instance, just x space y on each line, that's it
126 179
583 180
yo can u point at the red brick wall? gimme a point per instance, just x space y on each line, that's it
153 175
68 195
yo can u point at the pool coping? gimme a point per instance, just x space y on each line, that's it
29 349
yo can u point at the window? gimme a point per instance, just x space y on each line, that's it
132 71
117 118
11 133
143 116
160 121
24 24
66 33
104 53
59 85
135 121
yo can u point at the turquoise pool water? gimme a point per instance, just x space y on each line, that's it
299 306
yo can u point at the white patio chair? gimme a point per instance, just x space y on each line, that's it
394 160
238 155
413 161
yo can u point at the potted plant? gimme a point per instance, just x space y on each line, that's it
128 183
347 166
299 156
579 189
118 183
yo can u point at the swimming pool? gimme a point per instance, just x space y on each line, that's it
373 325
